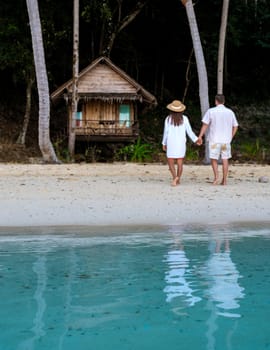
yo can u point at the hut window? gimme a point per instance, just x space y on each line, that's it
79 119
124 115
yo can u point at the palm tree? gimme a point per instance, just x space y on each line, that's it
45 144
200 63
221 48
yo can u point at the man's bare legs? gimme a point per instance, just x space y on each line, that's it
214 163
225 169
175 177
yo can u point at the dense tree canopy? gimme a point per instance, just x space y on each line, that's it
155 47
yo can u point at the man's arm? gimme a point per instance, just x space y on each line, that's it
203 130
234 130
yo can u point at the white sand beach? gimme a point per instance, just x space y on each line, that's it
129 194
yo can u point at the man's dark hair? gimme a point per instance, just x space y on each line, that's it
220 98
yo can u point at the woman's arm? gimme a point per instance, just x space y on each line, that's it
165 133
189 130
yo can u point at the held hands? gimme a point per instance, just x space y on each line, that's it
199 142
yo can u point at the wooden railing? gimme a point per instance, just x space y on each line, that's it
106 127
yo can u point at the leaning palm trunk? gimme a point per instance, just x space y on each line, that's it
200 63
221 48
45 144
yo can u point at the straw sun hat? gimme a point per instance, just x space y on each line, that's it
176 106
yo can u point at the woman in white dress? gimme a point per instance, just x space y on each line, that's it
176 127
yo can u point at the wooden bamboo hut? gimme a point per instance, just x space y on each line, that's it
108 102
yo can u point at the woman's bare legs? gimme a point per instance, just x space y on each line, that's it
179 162
173 172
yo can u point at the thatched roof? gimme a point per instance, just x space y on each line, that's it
102 80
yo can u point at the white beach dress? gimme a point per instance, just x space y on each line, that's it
174 137
176 278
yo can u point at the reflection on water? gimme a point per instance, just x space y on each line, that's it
198 288
177 285
178 268
219 275
223 279
38 331
223 292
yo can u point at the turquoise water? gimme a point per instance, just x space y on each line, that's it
146 288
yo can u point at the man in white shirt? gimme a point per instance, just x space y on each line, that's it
223 126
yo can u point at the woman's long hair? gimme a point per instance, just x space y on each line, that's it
176 118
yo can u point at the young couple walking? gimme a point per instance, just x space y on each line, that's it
222 124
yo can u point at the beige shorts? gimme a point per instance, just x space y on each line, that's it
222 150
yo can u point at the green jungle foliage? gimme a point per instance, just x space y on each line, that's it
137 152
156 50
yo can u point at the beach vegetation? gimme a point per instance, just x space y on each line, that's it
92 154
61 149
63 155
252 151
137 152
192 152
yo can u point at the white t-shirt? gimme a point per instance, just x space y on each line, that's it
221 121
224 288
174 137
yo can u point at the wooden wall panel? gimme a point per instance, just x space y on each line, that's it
104 79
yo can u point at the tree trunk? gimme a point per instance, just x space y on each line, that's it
22 136
221 48
200 63
74 102
45 144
